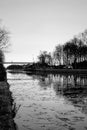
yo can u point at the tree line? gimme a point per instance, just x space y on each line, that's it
68 54
4 43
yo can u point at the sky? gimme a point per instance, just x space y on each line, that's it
38 25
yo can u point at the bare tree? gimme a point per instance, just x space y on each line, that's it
4 42
42 57
58 54
4 39
45 58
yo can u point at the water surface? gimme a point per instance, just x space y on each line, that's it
49 102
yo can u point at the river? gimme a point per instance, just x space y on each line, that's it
49 102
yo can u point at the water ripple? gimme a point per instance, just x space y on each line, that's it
45 103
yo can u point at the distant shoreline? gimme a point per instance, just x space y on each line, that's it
53 71
62 71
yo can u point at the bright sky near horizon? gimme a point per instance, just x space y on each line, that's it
41 24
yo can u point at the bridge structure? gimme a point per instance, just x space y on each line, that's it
16 63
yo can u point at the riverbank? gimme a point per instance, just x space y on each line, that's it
51 71
56 71
39 68
6 108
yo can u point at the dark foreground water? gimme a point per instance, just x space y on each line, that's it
49 102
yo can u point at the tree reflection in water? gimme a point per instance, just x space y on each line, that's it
72 87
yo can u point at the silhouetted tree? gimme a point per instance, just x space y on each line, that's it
71 51
4 42
80 50
45 58
48 59
83 38
1 56
58 54
4 39
42 57
84 52
67 51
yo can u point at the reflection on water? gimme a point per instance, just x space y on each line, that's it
50 102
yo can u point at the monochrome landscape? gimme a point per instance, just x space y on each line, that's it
43 65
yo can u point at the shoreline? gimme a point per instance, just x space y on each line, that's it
53 71
7 109
59 71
